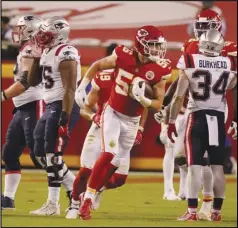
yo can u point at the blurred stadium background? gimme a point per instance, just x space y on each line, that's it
95 26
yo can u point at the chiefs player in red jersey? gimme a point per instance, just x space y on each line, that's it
121 116
98 95
206 20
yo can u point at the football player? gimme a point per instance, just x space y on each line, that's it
99 94
208 76
206 20
120 117
60 67
28 108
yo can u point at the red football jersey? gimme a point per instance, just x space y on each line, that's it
127 68
191 47
103 83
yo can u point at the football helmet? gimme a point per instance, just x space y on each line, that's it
150 42
206 19
211 43
25 27
52 32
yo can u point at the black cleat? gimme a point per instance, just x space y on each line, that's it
8 203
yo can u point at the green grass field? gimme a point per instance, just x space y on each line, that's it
138 203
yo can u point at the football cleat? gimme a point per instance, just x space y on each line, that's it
84 210
96 202
7 203
215 217
205 211
170 195
182 196
72 212
188 217
49 208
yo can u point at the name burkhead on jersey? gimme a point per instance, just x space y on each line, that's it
212 64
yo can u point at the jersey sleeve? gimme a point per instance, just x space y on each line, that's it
123 55
67 53
230 49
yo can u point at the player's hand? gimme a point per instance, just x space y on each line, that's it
96 119
138 92
159 116
81 97
138 137
163 134
233 128
63 131
172 132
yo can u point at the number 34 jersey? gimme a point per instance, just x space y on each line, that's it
209 78
51 78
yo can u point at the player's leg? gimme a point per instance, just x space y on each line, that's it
29 120
195 146
207 183
90 153
54 161
180 159
118 178
217 156
110 130
12 149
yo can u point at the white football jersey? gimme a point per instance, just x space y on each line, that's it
209 78
33 93
51 78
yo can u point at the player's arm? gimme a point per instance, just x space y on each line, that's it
68 72
34 77
143 119
170 93
22 85
87 110
178 98
99 65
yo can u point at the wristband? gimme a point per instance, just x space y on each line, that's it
141 129
4 97
64 118
83 84
171 121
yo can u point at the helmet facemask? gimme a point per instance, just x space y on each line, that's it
18 33
154 49
200 26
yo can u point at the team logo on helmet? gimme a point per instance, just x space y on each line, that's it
149 75
142 32
29 18
59 26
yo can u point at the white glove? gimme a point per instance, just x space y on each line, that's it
232 127
163 134
81 97
159 116
139 94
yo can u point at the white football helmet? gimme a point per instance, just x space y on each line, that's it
52 32
25 27
211 43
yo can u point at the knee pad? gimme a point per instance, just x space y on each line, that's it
54 169
41 161
180 161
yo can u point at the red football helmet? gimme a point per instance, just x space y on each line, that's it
150 42
207 19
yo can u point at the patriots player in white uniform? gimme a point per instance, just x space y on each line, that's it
28 108
208 76
60 67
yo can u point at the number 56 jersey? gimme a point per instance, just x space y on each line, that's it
51 78
209 79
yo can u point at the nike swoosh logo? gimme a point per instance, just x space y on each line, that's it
27 118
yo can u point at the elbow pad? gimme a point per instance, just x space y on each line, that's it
23 80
